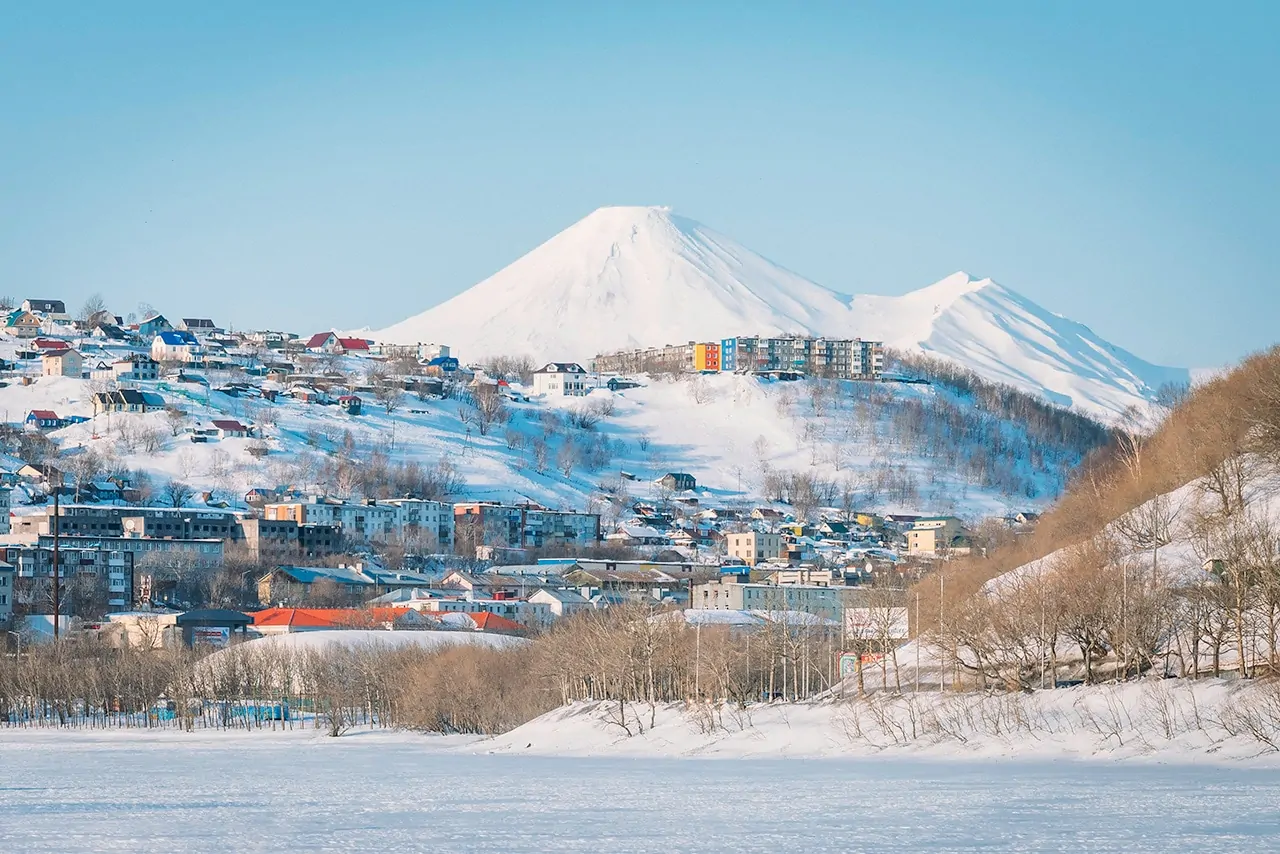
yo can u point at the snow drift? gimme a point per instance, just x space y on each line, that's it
642 276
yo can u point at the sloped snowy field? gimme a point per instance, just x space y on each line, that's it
223 792
719 428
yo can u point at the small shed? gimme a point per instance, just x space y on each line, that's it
213 626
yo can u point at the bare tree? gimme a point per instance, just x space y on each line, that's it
488 408
177 419
177 493
567 456
85 467
93 308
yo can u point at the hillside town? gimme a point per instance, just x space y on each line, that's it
292 557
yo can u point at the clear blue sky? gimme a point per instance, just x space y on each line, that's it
319 164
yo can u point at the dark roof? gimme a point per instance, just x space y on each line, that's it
561 368
213 617
129 397
230 425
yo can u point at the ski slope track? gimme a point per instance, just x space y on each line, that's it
642 276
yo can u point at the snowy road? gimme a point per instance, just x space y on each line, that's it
375 792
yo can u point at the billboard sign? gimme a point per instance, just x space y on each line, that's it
210 636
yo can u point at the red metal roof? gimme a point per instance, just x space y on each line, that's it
328 618
487 622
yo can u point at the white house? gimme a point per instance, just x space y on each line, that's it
561 379
175 345
563 603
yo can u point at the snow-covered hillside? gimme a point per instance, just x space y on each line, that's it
643 276
1005 337
893 447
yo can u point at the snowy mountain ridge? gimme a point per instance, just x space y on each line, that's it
627 277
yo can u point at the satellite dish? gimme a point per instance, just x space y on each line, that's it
128 524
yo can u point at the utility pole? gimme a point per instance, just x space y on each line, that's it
942 600
917 641
57 593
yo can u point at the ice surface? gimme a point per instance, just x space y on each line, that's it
224 792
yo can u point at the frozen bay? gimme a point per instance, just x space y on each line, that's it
221 792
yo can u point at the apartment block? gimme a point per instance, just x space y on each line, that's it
752 547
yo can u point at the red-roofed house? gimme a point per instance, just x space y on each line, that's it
276 621
486 622
329 342
49 345
44 419
228 429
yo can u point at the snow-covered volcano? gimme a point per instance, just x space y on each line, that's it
643 276
625 277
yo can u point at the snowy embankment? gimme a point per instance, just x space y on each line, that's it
369 639
1215 721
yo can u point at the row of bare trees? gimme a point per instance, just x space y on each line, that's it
1111 606
631 657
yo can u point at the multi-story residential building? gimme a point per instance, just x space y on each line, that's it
837 358
427 524
733 593
360 521
8 575
264 537
488 525
5 497
706 357
673 358
935 535
102 520
136 367
202 551
752 547
103 566
561 379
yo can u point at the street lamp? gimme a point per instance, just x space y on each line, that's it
18 638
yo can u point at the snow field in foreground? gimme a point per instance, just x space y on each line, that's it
1207 722
130 791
